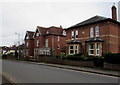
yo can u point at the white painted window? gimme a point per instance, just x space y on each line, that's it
46 43
76 34
64 33
47 32
91 32
27 37
91 49
72 35
58 38
97 49
73 49
37 34
58 45
97 31
37 44
27 44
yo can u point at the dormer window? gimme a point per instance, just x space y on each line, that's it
27 37
64 33
37 34
47 32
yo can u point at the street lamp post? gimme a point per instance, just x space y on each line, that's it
18 45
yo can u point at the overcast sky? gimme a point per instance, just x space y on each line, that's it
18 16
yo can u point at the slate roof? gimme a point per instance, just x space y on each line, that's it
30 34
51 30
92 20
94 40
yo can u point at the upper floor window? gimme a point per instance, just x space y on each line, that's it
58 45
97 31
47 32
27 37
27 44
72 35
37 43
46 43
64 33
58 38
37 34
76 34
91 32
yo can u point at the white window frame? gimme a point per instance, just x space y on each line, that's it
97 31
91 32
37 43
27 37
75 49
46 42
58 45
98 49
27 44
58 38
76 34
72 35
91 49
37 34
64 33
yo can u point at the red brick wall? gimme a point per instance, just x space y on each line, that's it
108 32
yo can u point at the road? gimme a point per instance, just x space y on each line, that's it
21 72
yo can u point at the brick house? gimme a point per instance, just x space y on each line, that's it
49 39
95 36
29 43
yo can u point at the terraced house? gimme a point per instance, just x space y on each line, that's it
95 36
47 40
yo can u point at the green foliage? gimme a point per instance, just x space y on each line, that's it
113 58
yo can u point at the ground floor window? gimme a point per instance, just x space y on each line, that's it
94 49
73 49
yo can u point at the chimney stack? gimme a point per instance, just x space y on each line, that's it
114 13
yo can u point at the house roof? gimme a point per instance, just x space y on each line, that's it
50 31
29 34
74 42
92 20
94 40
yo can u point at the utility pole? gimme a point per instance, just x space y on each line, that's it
18 45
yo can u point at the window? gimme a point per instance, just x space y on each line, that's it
46 43
73 49
98 49
37 34
97 31
58 38
58 45
37 43
47 32
72 35
64 33
76 49
91 49
27 37
76 34
27 44
91 32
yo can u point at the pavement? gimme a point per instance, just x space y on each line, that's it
84 69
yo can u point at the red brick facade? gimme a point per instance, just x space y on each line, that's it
47 40
109 32
29 43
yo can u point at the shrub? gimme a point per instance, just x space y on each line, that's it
113 58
